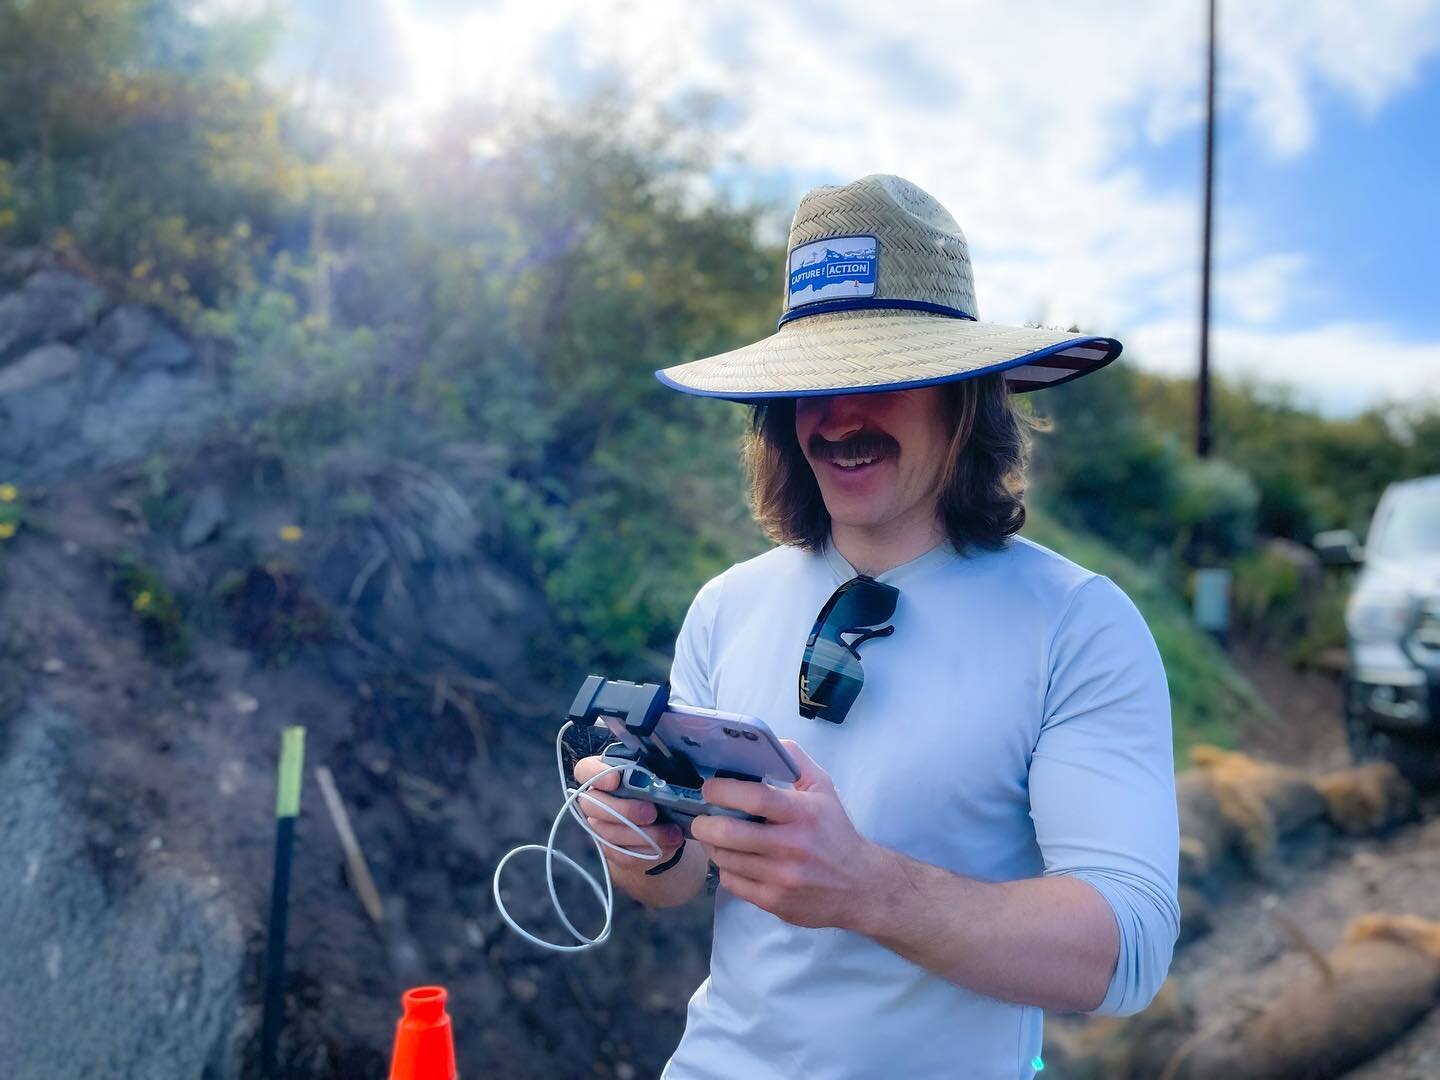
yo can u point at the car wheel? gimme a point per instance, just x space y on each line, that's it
1364 742
1417 759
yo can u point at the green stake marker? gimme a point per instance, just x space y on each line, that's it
287 809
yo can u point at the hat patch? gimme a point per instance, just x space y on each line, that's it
834 267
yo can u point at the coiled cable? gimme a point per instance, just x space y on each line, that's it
605 896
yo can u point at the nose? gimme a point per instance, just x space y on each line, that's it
836 416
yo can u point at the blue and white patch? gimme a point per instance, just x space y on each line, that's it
838 266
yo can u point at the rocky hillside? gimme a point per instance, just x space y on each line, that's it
170 599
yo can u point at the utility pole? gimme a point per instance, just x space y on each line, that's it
1211 584
1202 404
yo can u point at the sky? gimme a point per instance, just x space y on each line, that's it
1064 137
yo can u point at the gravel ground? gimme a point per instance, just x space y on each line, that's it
1327 881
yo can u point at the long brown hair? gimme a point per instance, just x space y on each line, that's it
982 490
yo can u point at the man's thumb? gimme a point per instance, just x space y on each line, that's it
812 776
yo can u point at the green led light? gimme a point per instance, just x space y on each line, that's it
1037 1063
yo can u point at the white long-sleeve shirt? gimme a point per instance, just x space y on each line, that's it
1016 724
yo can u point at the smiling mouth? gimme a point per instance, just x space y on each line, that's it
855 454
852 464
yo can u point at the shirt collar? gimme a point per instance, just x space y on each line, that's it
842 571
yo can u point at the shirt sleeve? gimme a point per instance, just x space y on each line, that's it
690 682
1102 782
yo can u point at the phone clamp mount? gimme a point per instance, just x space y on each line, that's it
658 773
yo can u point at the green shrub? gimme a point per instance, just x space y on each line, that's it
154 607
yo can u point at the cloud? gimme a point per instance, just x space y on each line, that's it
1338 368
1025 120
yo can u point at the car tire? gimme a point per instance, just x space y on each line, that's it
1417 759
1363 741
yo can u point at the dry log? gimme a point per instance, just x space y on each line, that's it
1367 799
1382 979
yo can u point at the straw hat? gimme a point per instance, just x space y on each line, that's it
879 296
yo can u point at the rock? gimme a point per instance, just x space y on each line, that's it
46 363
139 411
525 990
139 340
53 666
243 703
207 514
52 305
91 971
39 399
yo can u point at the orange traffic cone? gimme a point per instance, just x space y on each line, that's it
424 1043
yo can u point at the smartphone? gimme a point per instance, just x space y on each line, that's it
717 743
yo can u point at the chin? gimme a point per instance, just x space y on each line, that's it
853 517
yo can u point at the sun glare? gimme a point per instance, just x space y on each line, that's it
489 53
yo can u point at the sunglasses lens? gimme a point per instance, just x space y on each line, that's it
830 681
830 674
864 603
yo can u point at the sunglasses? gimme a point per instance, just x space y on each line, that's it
830 673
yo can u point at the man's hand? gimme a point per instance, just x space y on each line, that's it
805 863
667 837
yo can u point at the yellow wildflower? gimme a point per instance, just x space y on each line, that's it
141 601
8 492
291 533
7 529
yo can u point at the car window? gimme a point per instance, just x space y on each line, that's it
1411 526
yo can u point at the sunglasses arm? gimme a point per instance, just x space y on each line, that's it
865 635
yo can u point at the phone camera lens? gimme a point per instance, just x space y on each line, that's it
751 736
731 732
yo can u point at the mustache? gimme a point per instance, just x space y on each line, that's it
861 444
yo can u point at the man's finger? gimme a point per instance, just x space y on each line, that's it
719 831
755 867
637 810
751 796
587 767
812 776
746 888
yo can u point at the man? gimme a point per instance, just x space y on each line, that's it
988 827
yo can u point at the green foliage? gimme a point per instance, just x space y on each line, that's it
1214 508
162 506
1324 628
1312 472
298 383
154 607
12 511
1267 587
1210 700
143 143
1103 468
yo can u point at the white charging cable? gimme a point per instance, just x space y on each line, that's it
607 896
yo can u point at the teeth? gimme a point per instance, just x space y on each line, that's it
850 463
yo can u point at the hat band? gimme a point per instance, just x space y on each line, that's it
846 303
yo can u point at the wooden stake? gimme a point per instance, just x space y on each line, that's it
359 870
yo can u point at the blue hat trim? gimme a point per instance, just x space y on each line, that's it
825 307
1112 346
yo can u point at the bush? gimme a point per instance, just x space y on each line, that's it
153 605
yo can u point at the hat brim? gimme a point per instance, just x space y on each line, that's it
867 351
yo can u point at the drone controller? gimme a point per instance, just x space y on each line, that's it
667 751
